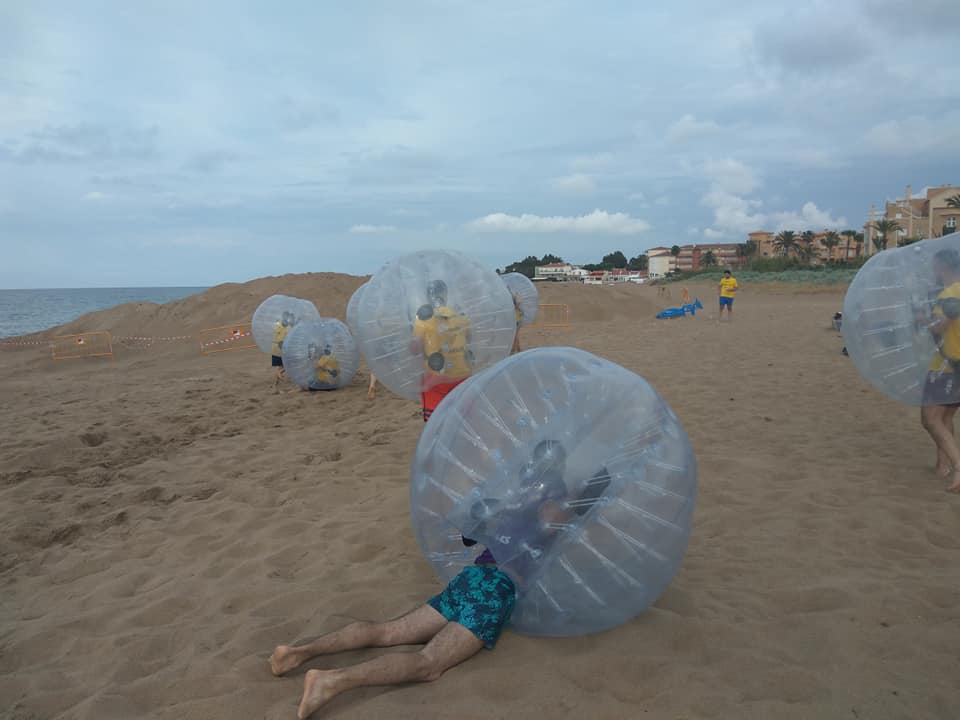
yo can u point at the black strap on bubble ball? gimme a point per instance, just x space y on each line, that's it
425 312
436 362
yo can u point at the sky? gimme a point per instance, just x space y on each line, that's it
181 143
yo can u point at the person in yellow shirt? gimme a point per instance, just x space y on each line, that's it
441 334
941 393
326 367
728 286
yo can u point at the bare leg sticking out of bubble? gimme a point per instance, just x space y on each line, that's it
937 420
372 387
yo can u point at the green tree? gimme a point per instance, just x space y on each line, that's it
615 259
830 241
953 201
675 251
884 227
709 259
638 263
527 266
858 241
745 251
549 259
786 242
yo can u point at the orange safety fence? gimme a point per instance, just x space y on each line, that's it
228 337
552 317
83 345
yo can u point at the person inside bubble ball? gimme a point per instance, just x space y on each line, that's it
519 318
326 367
453 626
280 330
941 392
441 334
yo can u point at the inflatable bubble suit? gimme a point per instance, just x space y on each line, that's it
525 296
901 321
275 317
433 317
573 472
353 308
320 354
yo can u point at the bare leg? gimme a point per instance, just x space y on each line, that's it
516 344
933 418
450 647
413 628
280 376
943 462
372 387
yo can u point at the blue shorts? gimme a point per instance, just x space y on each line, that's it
276 361
726 302
481 598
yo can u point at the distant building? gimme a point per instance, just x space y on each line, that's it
920 217
660 262
553 271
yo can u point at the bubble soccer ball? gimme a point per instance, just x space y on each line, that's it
573 472
891 313
525 297
275 317
433 317
353 308
320 355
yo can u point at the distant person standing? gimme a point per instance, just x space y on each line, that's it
728 287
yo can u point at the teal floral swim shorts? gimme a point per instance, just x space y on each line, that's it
481 598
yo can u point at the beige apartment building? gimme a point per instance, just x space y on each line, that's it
927 216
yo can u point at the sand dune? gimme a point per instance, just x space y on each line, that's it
166 519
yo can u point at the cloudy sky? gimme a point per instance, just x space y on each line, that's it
182 143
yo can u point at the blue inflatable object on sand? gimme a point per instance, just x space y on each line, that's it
680 311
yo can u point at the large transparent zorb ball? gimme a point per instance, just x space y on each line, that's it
320 355
576 476
433 317
353 309
275 317
526 299
901 321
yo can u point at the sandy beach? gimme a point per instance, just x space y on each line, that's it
166 519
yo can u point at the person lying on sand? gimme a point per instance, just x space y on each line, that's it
468 615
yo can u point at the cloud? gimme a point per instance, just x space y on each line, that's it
813 41
210 161
810 217
296 115
663 200
96 196
371 229
592 161
913 135
712 234
689 128
925 16
578 183
637 197
731 176
81 143
599 221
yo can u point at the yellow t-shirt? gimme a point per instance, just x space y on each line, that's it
444 338
326 368
279 334
728 286
950 337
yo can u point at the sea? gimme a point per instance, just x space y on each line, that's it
27 311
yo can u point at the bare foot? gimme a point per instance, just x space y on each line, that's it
944 468
955 485
318 688
285 659
371 394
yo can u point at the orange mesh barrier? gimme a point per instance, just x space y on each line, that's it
83 345
228 337
552 317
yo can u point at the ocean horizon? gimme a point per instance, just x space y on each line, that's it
29 311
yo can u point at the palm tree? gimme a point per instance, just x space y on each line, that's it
830 241
858 241
786 242
708 259
953 201
745 250
849 235
675 251
805 252
884 227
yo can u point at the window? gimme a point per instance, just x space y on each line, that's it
899 216
951 222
